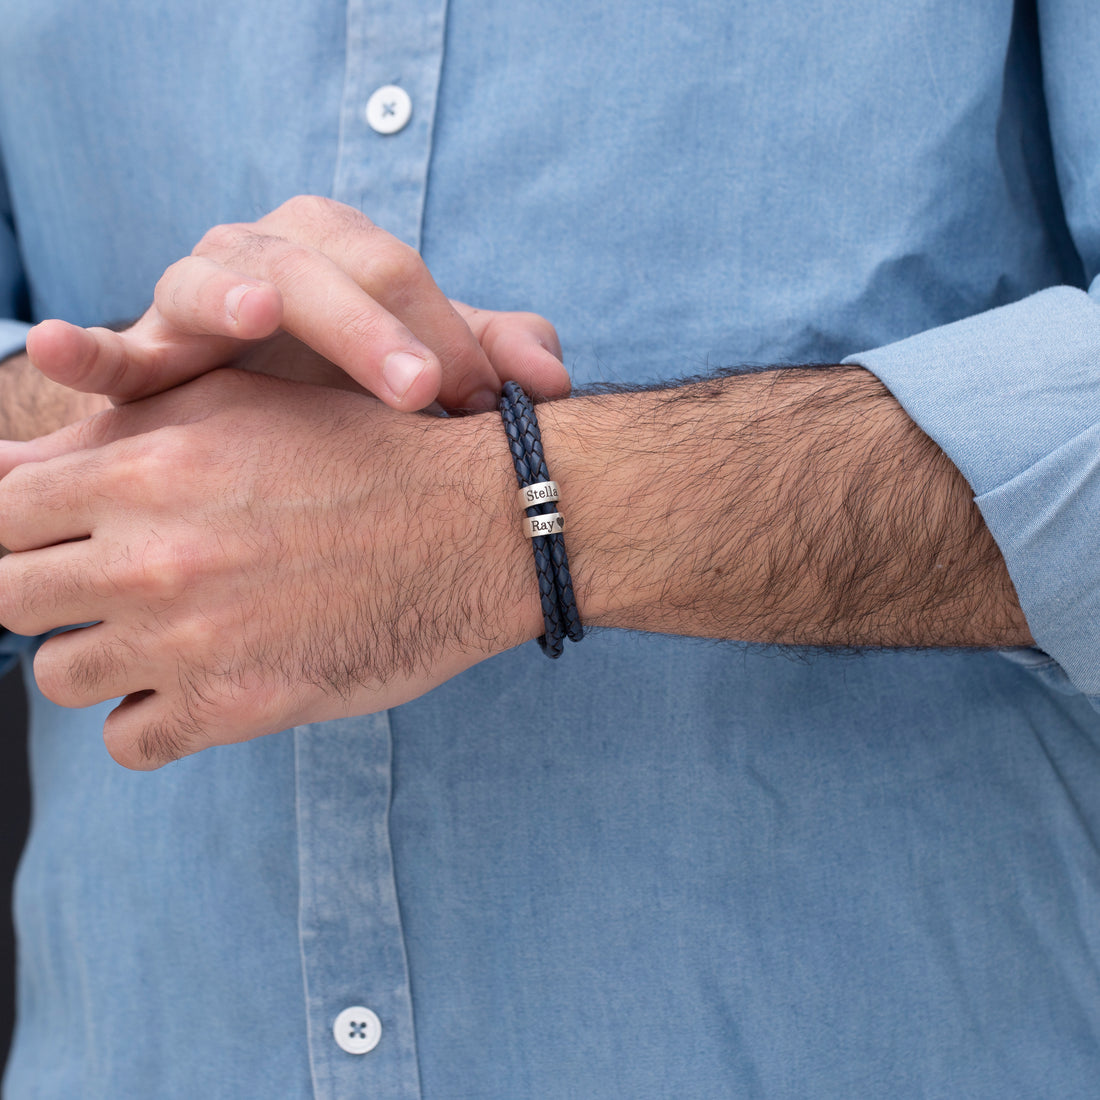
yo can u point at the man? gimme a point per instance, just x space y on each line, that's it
655 868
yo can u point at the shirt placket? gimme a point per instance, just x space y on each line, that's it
394 60
358 1000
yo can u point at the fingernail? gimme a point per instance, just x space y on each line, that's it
401 370
233 301
484 400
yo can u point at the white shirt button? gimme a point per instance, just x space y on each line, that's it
357 1030
389 109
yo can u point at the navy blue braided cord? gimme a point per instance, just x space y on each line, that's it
552 640
536 461
559 606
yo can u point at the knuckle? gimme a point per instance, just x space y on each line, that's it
11 530
159 573
170 450
542 330
212 706
168 284
320 214
508 334
495 333
234 714
210 394
142 473
219 239
289 265
171 290
198 633
394 270
303 206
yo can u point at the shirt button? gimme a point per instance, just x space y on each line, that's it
357 1030
389 109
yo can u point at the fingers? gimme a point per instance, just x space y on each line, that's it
45 505
216 310
326 309
143 734
53 488
356 295
89 665
43 590
150 727
327 276
522 348
197 296
26 490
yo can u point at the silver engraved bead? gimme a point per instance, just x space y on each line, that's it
550 524
542 492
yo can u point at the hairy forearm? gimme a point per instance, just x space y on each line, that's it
32 405
263 554
796 506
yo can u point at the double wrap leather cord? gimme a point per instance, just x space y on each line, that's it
544 523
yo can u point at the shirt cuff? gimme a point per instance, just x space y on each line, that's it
1012 397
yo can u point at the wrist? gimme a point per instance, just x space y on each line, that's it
500 572
609 482
797 507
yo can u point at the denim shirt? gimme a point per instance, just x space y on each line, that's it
658 867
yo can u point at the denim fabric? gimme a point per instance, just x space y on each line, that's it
1037 489
656 868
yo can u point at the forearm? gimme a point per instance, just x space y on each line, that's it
797 506
32 405
261 554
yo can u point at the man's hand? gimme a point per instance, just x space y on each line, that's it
317 293
253 553
32 405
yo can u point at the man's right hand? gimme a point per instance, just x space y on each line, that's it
314 292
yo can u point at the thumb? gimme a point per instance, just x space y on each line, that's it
522 348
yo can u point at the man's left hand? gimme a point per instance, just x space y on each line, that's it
254 553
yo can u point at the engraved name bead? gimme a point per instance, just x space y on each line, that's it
542 492
550 524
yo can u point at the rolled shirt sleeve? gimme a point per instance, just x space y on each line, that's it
1012 396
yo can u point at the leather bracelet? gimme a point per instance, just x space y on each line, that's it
544 523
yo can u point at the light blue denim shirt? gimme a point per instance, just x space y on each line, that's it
656 868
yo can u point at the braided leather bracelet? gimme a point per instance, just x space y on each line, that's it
544 523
